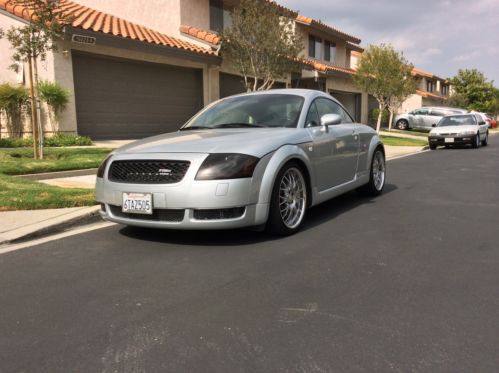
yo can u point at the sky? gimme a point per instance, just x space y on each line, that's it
438 36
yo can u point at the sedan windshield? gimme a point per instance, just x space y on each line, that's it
260 110
458 120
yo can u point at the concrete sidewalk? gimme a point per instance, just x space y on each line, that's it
405 135
26 224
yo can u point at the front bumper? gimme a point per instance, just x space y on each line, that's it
190 203
454 140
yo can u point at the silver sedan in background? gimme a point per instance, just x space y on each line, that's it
424 118
258 159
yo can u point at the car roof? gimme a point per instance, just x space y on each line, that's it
306 93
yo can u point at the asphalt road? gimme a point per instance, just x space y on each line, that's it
405 282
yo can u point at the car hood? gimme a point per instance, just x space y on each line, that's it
453 129
254 141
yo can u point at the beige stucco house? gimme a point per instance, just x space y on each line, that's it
136 70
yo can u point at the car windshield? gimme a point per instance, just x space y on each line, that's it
458 120
260 110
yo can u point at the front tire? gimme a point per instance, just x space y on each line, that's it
288 202
402 124
476 141
377 175
486 140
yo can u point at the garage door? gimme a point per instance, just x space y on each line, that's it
121 99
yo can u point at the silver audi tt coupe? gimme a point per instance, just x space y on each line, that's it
251 160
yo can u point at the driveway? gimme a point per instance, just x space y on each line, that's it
405 282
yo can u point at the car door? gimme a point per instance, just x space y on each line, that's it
482 125
420 118
435 116
336 147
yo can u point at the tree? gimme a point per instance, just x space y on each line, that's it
475 88
402 89
458 100
386 75
32 42
262 43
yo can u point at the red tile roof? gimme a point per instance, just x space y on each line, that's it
429 94
325 68
320 25
202 35
93 20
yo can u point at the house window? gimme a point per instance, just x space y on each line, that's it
216 15
329 51
445 90
314 47
430 86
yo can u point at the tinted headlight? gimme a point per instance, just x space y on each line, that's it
102 167
227 166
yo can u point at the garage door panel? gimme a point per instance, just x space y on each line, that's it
124 99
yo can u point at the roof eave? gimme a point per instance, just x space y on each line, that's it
140 46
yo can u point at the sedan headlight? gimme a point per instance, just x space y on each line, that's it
227 166
467 133
103 165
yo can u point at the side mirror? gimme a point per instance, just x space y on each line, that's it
330 119
434 125
481 122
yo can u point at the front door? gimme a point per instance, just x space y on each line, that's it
336 147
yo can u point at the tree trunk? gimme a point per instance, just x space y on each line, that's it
34 118
38 111
390 121
380 115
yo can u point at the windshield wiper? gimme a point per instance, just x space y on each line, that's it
192 128
237 125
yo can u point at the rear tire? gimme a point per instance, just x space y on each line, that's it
377 175
433 147
288 201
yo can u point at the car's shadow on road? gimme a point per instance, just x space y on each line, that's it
318 215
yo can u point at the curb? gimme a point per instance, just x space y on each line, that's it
89 215
59 174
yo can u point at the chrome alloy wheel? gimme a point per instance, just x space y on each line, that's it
292 197
378 170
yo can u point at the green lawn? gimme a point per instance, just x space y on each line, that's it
402 141
20 161
21 194
411 132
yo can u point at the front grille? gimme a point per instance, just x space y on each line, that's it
448 134
148 171
219 214
166 215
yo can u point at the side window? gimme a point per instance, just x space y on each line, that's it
313 119
421 112
437 113
325 106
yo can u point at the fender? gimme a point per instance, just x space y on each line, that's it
277 160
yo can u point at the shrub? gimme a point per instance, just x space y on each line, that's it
14 99
56 98
373 117
58 140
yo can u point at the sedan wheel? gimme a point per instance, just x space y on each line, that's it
402 124
377 175
289 201
486 140
476 141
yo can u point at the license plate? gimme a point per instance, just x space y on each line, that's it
449 139
137 203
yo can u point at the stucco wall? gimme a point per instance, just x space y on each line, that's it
412 103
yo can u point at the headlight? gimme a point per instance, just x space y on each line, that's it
227 166
467 133
103 165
